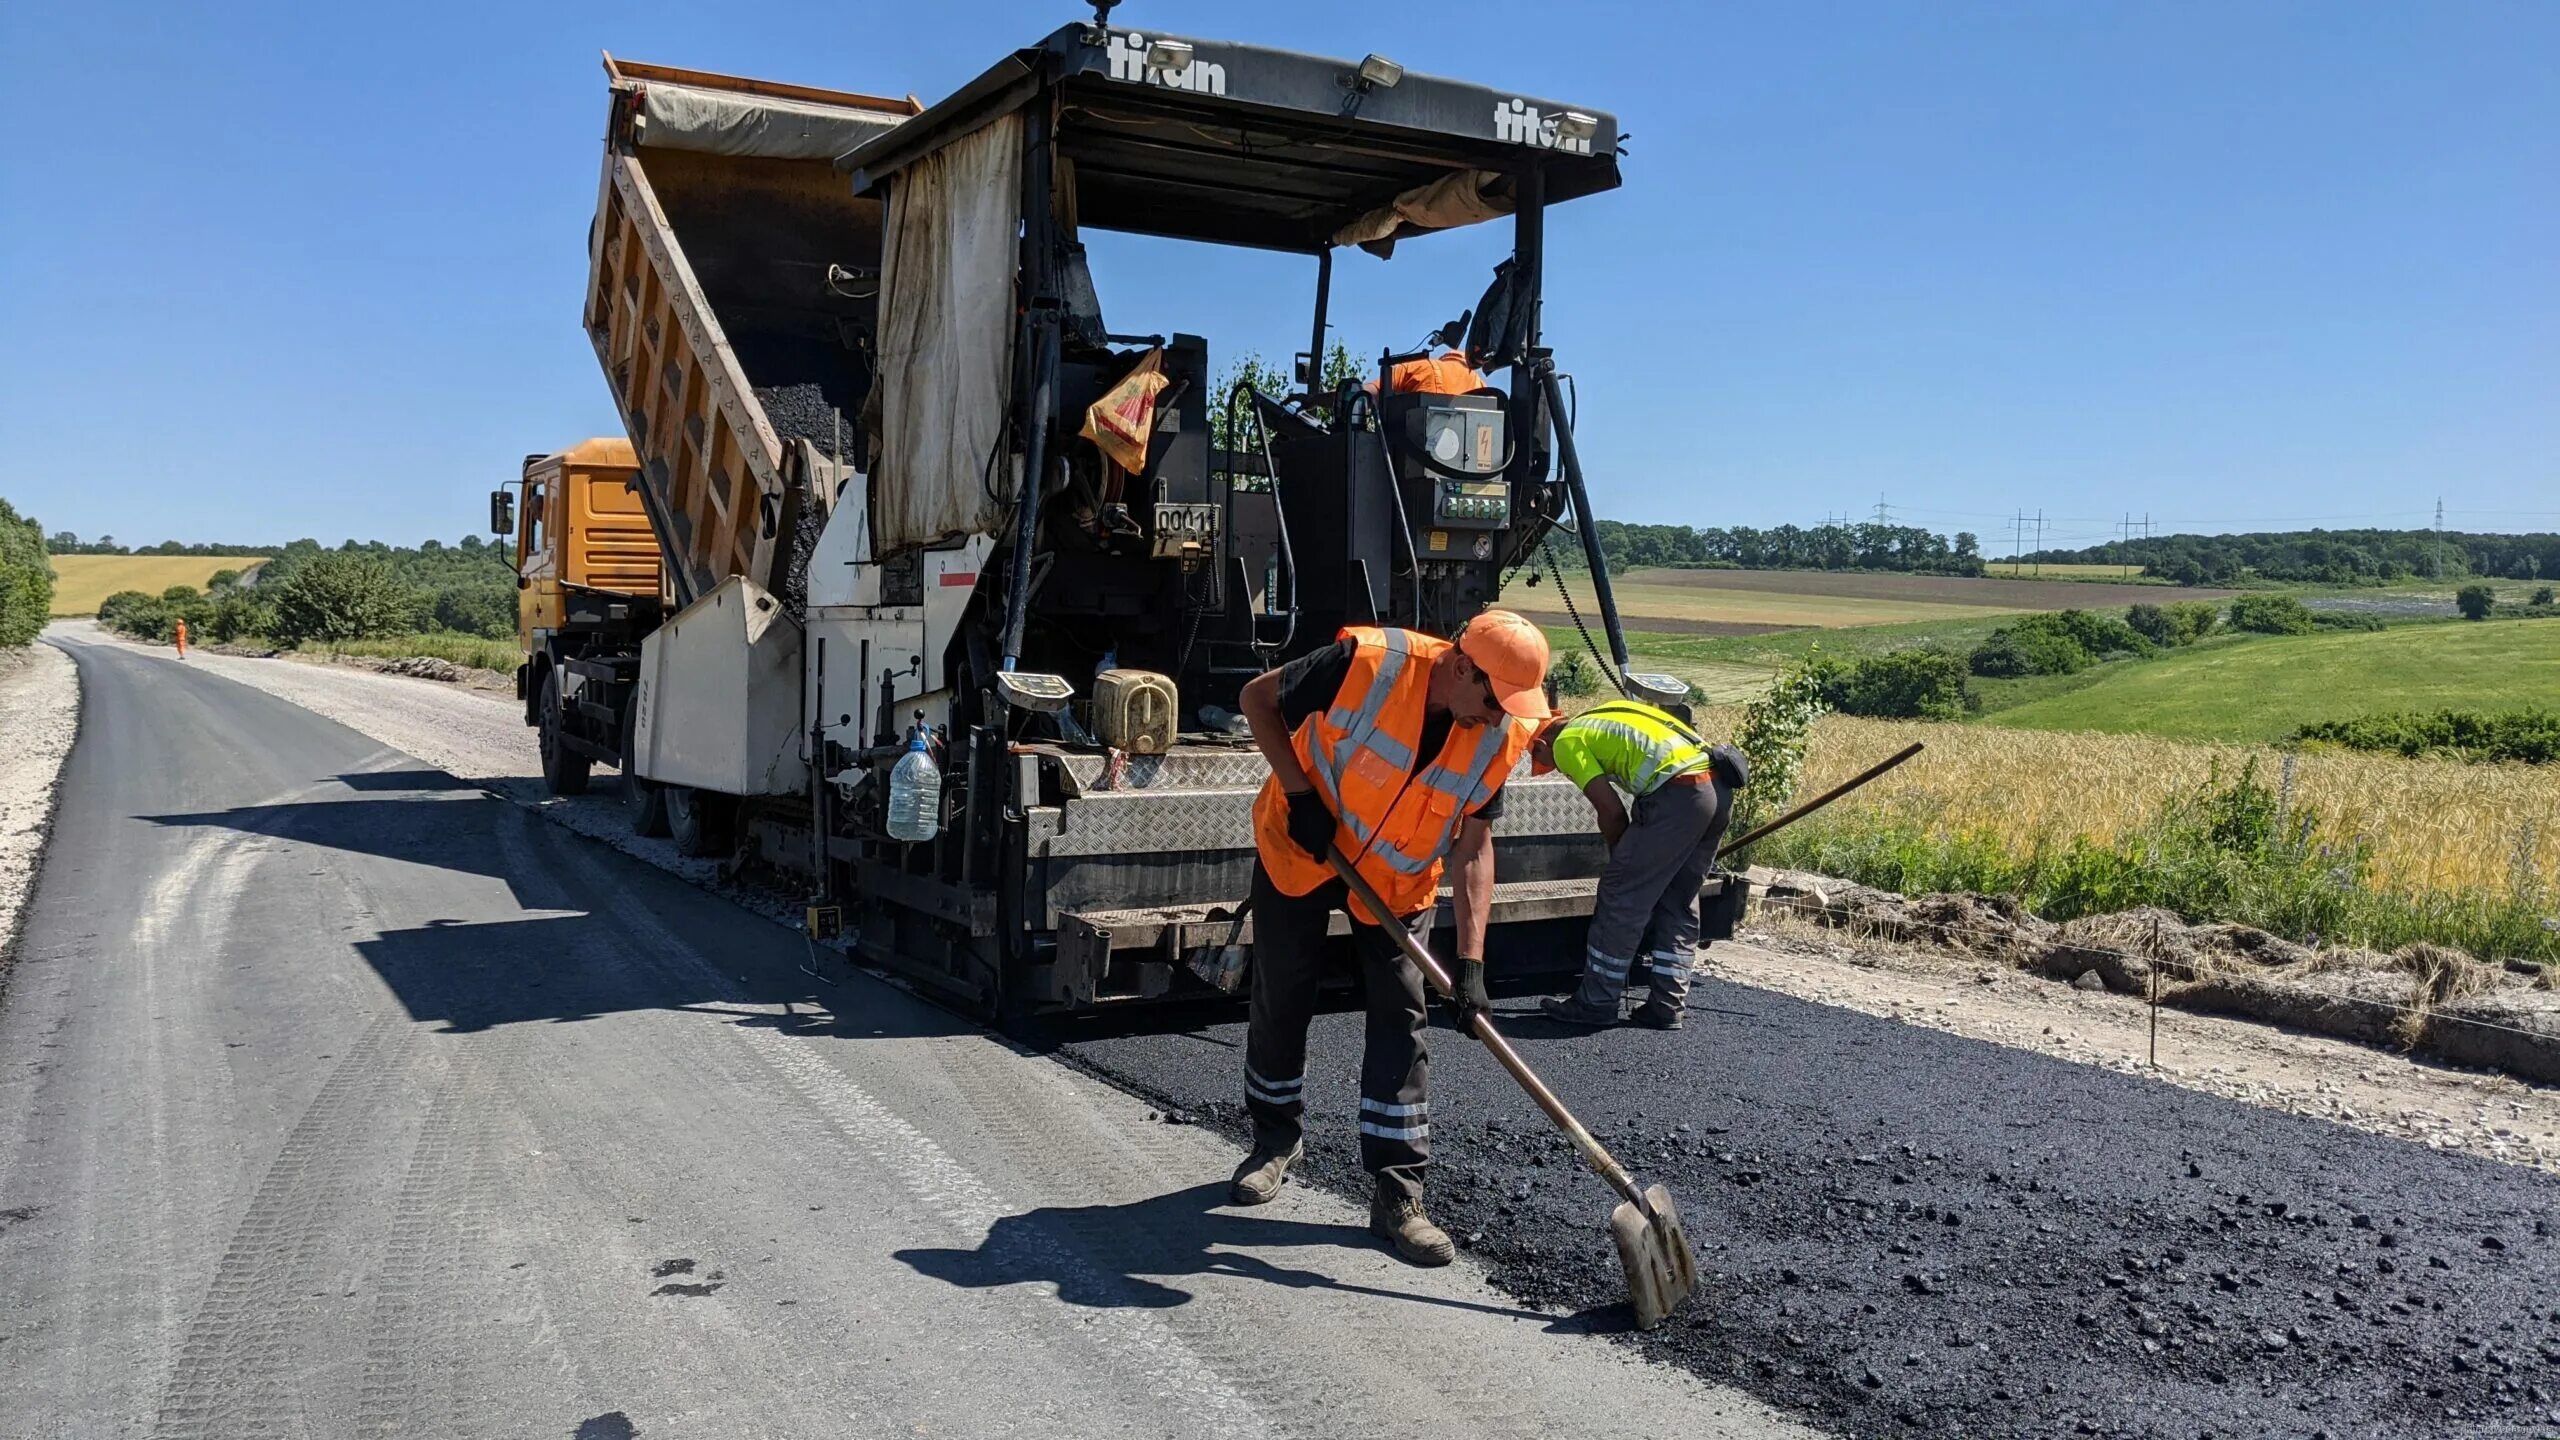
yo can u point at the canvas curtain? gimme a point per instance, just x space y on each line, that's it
946 340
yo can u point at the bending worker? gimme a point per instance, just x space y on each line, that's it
1393 745
1647 905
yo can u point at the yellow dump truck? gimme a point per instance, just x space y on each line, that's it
588 582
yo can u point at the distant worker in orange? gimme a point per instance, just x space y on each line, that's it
182 639
1446 373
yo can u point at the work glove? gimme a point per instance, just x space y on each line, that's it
1730 765
1471 995
1311 825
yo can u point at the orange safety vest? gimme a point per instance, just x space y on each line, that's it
1446 373
1393 822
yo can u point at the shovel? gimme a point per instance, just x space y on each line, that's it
1652 1248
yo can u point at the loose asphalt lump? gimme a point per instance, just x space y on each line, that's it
1906 1232
2429 999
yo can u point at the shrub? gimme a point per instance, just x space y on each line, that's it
2183 623
26 578
2271 615
1570 673
2345 620
2475 601
177 595
221 580
489 611
234 614
113 609
2531 735
342 595
2063 642
1922 683
2542 597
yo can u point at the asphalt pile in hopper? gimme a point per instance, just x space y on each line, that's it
802 412
1907 1232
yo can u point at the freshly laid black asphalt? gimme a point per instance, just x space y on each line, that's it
1906 1232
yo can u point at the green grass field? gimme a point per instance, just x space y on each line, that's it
2262 687
81 581
499 656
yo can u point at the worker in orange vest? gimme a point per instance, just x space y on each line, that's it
1393 745
1446 373
182 639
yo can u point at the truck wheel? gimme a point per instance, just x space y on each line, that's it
643 800
563 770
698 820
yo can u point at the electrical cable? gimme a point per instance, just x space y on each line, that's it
1547 549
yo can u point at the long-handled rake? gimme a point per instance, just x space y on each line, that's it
1652 1248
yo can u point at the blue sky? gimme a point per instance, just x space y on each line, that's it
270 271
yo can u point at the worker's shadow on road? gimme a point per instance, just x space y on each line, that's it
1124 1256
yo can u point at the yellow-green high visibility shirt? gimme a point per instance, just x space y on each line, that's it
1639 747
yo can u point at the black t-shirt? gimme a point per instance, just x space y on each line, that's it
1309 683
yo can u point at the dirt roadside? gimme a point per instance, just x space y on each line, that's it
2482 1113
39 715
481 737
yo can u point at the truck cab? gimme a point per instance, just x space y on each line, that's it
589 582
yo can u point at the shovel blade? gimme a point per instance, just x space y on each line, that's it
1661 1268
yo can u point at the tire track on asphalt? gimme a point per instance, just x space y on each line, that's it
960 1202
234 1373
1117 1165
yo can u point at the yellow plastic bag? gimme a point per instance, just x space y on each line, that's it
1123 419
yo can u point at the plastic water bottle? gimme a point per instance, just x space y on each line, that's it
915 791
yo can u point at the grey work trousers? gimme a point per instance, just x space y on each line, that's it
1395 1063
1647 906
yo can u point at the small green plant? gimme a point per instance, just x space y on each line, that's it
1572 674
2475 601
2542 598
1774 731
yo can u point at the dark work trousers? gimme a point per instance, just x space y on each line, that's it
1395 1068
1645 916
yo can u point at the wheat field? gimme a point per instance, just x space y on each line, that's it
81 581
2433 824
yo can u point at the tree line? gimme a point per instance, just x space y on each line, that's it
2325 557
357 591
1864 546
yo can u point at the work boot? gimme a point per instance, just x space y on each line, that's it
1573 1011
1263 1172
1397 1218
1659 1015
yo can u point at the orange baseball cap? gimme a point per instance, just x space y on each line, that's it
1512 653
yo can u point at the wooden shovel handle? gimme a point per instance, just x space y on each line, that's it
1480 1024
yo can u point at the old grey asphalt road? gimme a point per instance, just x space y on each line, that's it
339 1099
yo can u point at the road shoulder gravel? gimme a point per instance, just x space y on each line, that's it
40 715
